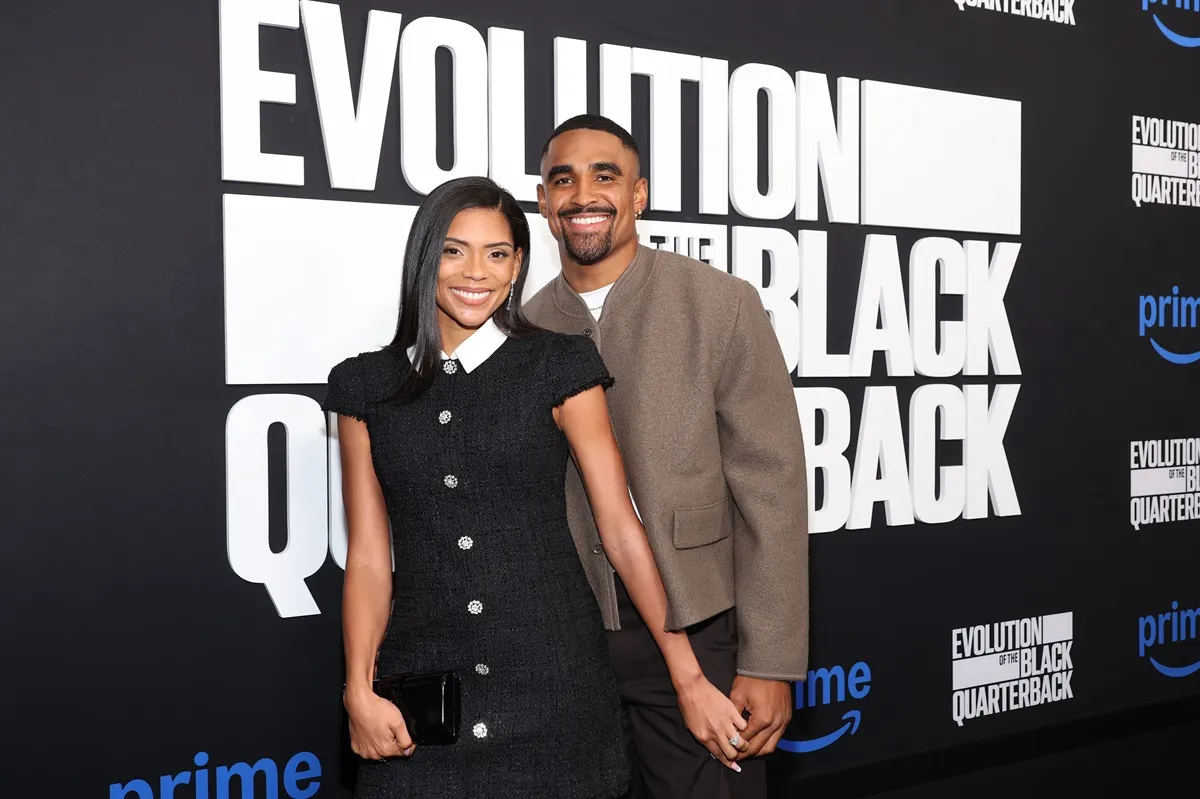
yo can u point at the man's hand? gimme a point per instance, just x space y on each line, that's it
770 706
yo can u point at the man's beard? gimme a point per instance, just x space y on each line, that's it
586 249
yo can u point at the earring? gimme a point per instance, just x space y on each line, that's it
638 215
512 287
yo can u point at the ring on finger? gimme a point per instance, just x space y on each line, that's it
736 740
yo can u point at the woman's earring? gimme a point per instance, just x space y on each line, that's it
512 287
638 215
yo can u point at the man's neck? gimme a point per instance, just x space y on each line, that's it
600 274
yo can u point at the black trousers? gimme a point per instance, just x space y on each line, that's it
668 762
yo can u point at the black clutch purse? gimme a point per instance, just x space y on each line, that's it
429 702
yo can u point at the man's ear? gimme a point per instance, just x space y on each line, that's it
541 201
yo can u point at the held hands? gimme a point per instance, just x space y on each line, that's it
377 728
770 706
713 719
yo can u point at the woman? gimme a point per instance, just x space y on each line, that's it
457 434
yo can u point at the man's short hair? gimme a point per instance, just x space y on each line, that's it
595 122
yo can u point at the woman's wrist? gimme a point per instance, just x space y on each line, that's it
358 688
682 664
688 679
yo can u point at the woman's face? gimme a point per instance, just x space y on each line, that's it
479 263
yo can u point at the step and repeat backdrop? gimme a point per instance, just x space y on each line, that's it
972 221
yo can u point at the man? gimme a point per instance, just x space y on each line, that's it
706 419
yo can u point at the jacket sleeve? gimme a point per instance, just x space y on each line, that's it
762 456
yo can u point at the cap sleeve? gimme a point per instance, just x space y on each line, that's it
345 393
575 366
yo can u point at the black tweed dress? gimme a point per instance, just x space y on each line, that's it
487 578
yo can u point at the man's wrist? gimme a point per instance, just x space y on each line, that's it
770 675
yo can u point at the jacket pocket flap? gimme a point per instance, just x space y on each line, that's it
708 524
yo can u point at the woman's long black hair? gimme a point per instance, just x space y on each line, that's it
418 325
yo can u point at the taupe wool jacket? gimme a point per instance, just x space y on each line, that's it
706 420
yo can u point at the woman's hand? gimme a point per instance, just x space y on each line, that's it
713 719
377 728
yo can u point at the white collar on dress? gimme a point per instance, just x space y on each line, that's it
478 347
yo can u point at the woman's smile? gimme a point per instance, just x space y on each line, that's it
472 296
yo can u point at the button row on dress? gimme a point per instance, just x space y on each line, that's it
480 729
474 607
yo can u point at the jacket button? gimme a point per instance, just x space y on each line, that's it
597 549
588 332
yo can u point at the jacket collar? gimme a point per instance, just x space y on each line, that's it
631 281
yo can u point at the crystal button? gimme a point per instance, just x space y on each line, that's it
475 607
451 481
449 367
480 730
444 417
465 542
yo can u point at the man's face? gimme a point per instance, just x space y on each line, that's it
590 194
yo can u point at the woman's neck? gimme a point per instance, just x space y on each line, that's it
453 334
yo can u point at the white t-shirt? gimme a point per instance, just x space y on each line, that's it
595 300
